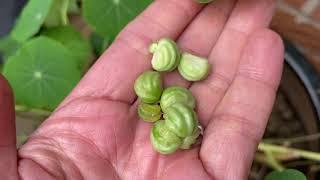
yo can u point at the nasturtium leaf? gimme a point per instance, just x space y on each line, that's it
99 43
41 73
289 174
108 17
73 7
58 14
73 40
31 19
8 46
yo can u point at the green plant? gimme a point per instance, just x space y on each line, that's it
45 54
73 40
108 17
166 55
272 155
57 14
36 68
31 19
289 174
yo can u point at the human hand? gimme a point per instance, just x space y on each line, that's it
96 133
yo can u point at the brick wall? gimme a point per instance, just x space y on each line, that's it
299 22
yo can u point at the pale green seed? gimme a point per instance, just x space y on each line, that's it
190 140
166 55
148 87
180 119
193 68
149 112
163 140
176 94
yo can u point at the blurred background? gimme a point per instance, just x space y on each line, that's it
294 122
299 22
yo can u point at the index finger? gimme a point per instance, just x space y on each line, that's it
113 75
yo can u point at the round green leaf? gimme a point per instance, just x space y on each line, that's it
289 174
31 19
73 40
108 17
8 46
41 73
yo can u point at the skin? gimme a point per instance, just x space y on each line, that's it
96 134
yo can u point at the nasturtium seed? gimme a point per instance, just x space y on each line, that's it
187 142
180 119
149 112
163 140
166 55
148 87
193 68
176 94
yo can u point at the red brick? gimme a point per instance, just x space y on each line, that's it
304 34
295 3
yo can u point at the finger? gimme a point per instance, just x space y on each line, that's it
247 17
8 153
201 35
239 121
113 75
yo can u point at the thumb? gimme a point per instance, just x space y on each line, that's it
8 151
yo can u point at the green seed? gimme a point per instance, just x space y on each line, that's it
193 68
166 55
148 87
176 94
190 140
149 112
180 119
163 140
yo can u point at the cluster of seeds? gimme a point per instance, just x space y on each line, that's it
172 109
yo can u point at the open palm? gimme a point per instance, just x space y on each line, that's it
96 133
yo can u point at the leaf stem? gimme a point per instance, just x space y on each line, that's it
39 112
265 147
276 164
269 160
299 139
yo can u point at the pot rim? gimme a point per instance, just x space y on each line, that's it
306 73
